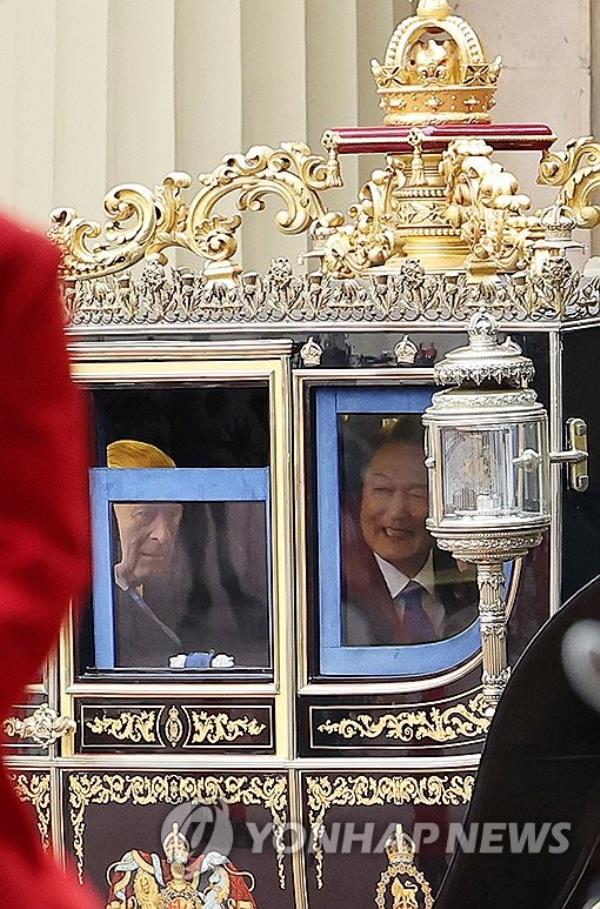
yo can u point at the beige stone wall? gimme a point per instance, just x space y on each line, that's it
98 92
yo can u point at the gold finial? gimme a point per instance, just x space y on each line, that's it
434 9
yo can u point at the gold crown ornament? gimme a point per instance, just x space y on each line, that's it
400 847
176 847
435 71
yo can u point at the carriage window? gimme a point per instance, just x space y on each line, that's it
180 527
391 603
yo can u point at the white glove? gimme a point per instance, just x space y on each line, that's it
222 661
177 662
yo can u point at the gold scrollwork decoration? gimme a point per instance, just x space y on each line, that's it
324 792
144 223
216 728
127 726
34 788
577 172
44 726
458 721
268 791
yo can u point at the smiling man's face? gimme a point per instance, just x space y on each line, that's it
148 532
394 507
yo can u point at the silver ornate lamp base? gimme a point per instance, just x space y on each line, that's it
489 553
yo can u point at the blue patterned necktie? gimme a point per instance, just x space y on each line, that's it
416 624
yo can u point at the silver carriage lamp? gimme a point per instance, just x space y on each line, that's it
488 458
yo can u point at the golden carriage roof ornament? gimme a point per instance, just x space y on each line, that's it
440 214
435 70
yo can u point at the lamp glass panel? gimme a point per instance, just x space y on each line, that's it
530 469
498 472
478 474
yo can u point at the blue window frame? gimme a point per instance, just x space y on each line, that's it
213 484
335 657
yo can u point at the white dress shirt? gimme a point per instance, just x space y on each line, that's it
396 582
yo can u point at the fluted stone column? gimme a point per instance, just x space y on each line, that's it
546 50
141 90
29 84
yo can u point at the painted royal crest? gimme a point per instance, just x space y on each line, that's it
402 885
143 880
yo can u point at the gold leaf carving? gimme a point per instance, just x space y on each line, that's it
127 727
324 792
269 792
460 720
44 726
484 201
368 237
220 727
35 789
577 172
143 223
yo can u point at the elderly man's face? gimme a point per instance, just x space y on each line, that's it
394 507
148 532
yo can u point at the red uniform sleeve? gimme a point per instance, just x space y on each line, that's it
44 530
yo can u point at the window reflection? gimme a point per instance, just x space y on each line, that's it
191 585
398 587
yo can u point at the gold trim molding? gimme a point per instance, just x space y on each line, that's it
142 726
218 728
325 792
173 298
268 791
127 727
452 209
458 721
34 788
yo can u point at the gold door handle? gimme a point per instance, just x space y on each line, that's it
44 726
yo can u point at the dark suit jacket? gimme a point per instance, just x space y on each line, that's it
140 641
370 616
